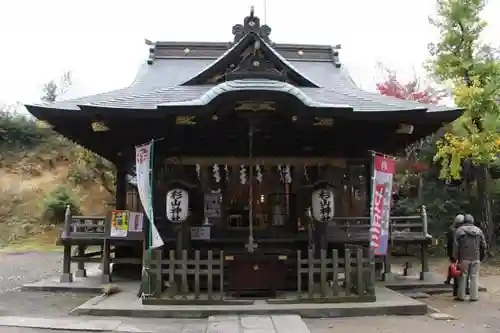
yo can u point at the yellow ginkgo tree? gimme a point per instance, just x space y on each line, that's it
461 57
475 136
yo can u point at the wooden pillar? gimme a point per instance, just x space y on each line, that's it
297 204
121 186
123 251
121 204
106 262
337 178
368 184
388 275
66 275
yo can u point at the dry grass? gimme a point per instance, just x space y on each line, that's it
44 241
21 193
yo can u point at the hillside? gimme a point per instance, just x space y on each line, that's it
40 173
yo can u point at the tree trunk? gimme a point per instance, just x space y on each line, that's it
484 197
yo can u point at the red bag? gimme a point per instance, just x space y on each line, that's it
455 270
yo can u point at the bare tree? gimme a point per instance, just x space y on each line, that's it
85 166
55 88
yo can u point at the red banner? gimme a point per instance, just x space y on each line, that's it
384 168
376 220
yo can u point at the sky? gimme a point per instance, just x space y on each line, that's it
102 42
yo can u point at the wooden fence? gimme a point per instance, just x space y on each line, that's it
183 273
200 280
349 278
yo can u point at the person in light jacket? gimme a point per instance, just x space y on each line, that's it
469 250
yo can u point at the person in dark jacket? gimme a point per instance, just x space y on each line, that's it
469 249
450 238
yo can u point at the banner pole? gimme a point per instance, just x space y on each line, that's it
150 194
150 208
372 194
149 142
383 155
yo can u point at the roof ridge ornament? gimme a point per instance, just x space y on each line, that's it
335 55
152 51
251 24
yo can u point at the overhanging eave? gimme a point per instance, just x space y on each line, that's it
80 132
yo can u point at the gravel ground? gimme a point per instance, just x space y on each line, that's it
478 317
31 330
17 269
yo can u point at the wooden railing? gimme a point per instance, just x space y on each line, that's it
356 229
94 227
329 278
92 230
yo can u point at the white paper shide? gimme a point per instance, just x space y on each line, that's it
177 205
323 207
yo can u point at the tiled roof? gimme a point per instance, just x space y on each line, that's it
159 83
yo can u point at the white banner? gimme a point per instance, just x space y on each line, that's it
144 158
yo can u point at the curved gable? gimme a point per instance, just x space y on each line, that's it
251 57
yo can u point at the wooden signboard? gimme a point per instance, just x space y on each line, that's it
200 233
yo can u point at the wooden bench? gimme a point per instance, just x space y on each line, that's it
85 232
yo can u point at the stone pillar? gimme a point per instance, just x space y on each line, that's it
66 275
81 271
425 274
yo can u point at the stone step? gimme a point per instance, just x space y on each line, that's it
261 324
69 324
214 324
416 295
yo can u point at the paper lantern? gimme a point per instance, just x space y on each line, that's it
177 205
323 207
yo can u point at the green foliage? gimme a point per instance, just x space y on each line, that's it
474 69
442 201
53 206
20 133
460 27
27 147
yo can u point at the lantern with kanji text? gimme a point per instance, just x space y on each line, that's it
177 205
323 208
